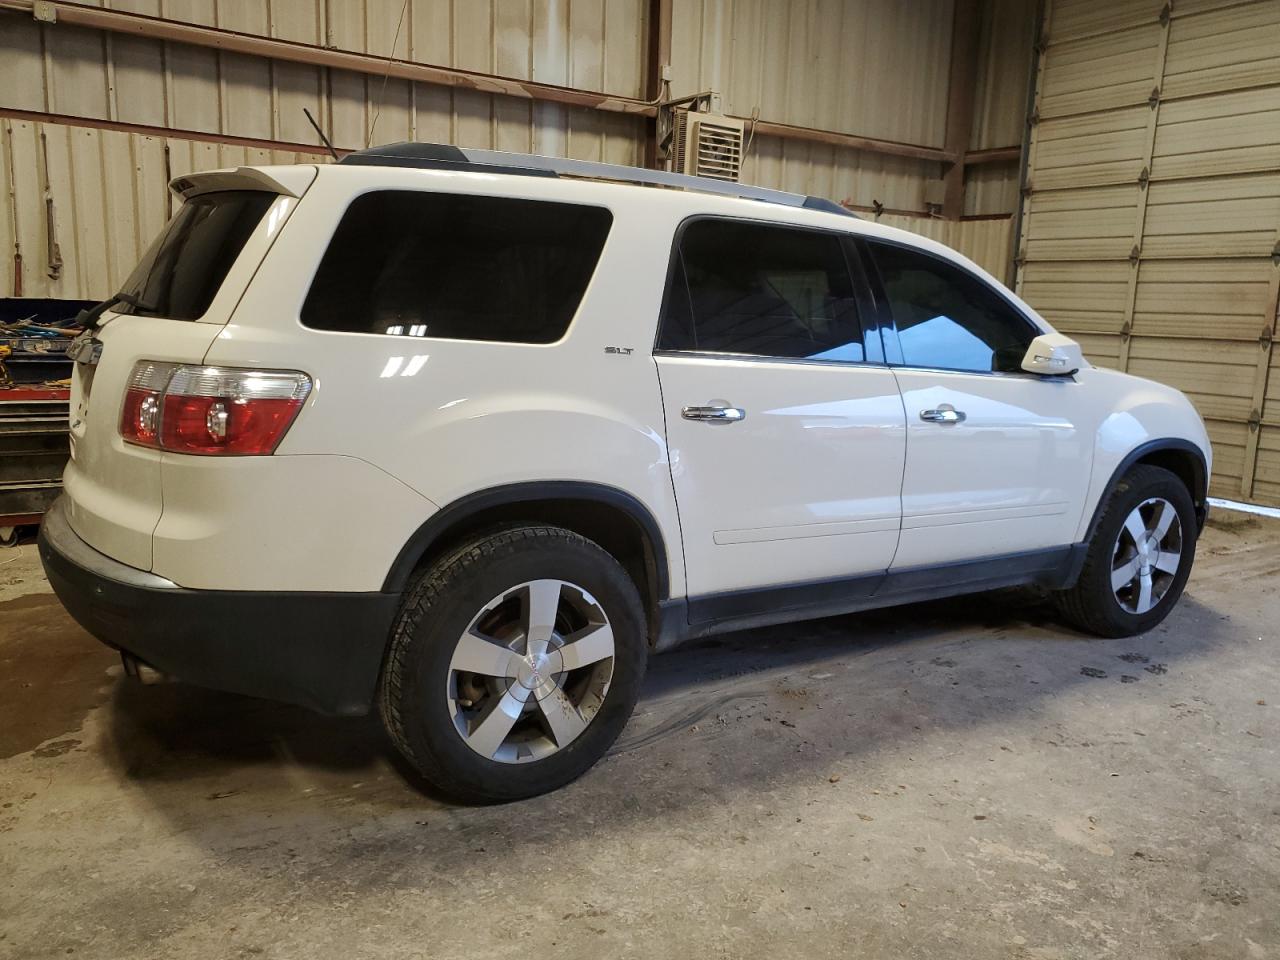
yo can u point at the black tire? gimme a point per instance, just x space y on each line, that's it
1092 604
436 611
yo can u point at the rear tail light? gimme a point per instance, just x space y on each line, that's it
140 418
210 410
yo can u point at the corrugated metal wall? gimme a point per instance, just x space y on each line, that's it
986 242
84 202
828 64
85 74
875 68
1152 230
1000 103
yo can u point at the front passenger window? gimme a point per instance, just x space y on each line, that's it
739 287
947 318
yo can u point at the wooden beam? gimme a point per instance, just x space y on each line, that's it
767 128
973 158
965 29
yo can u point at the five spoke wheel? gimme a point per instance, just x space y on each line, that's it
531 671
1148 551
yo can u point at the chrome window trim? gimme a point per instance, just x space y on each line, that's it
761 358
1015 374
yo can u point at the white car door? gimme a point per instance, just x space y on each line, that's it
998 461
785 429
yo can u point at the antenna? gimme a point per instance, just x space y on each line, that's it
323 139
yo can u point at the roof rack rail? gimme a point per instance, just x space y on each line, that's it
444 156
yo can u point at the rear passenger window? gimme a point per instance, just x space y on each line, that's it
761 290
948 319
181 272
410 263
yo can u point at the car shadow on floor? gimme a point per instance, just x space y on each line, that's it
172 733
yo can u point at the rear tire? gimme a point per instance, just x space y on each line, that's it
514 664
1138 559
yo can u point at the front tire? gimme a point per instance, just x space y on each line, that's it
1138 559
514 664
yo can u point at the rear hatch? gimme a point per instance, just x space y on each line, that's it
183 292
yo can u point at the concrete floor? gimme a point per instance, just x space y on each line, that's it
958 779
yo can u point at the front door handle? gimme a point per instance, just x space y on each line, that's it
717 411
945 413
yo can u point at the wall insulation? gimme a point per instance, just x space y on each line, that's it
1152 226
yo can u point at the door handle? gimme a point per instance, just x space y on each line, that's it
717 411
945 413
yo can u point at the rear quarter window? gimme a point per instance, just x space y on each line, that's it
184 267
459 267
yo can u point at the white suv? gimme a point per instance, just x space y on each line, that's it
469 435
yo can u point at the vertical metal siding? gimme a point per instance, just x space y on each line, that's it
1152 227
1004 67
110 198
871 67
877 68
985 242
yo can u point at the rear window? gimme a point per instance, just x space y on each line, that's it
179 275
408 263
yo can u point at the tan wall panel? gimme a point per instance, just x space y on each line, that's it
110 189
834 65
1100 349
1196 306
991 188
1220 134
593 44
1267 487
1217 299
1078 297
1075 18
985 242
1229 445
1217 376
1085 224
23 65
1091 150
1004 67
1224 217
1223 50
836 172
1099 73
1271 404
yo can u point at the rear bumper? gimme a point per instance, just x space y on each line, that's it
318 650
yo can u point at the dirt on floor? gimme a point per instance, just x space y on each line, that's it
956 779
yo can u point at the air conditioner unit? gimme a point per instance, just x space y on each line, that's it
707 145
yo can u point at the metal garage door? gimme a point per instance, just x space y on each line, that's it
1151 210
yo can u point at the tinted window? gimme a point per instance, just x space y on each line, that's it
766 291
458 267
947 318
179 275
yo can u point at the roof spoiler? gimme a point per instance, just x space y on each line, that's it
289 181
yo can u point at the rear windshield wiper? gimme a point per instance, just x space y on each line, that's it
89 318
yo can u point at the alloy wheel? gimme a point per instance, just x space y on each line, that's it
531 671
1147 555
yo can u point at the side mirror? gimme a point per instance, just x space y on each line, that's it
1053 355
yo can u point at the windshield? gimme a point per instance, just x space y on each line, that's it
183 269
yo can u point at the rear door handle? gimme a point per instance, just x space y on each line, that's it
717 411
945 413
